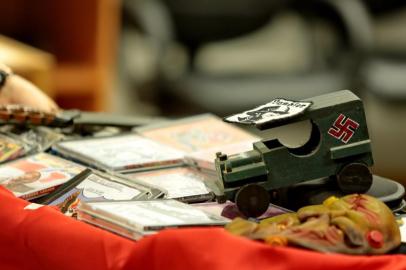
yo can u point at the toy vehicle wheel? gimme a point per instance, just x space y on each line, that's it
252 200
354 178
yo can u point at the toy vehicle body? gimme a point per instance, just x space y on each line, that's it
338 147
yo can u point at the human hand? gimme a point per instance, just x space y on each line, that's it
17 90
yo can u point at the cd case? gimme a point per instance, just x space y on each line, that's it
37 139
181 183
134 219
12 148
93 185
122 153
200 137
37 175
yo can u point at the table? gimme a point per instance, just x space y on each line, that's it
43 238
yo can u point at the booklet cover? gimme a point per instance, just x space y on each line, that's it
34 176
200 137
205 159
128 152
181 183
42 137
146 217
11 148
35 139
98 186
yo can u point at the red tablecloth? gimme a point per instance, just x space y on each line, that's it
45 239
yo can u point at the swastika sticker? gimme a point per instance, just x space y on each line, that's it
343 128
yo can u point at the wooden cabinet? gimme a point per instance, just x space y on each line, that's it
82 35
35 65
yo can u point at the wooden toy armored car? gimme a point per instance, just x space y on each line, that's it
338 147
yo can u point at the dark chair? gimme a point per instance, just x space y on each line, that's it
195 23
384 88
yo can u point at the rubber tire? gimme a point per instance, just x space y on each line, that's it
252 200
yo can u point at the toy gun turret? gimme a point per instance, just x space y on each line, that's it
338 147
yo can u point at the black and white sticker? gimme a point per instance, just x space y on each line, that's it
276 110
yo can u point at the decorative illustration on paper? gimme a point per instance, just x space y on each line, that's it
277 109
36 174
10 150
94 188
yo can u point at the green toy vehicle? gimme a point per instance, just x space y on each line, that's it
338 147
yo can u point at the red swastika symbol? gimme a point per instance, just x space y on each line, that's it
343 128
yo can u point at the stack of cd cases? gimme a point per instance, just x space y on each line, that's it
136 219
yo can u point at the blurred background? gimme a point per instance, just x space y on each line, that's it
175 58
